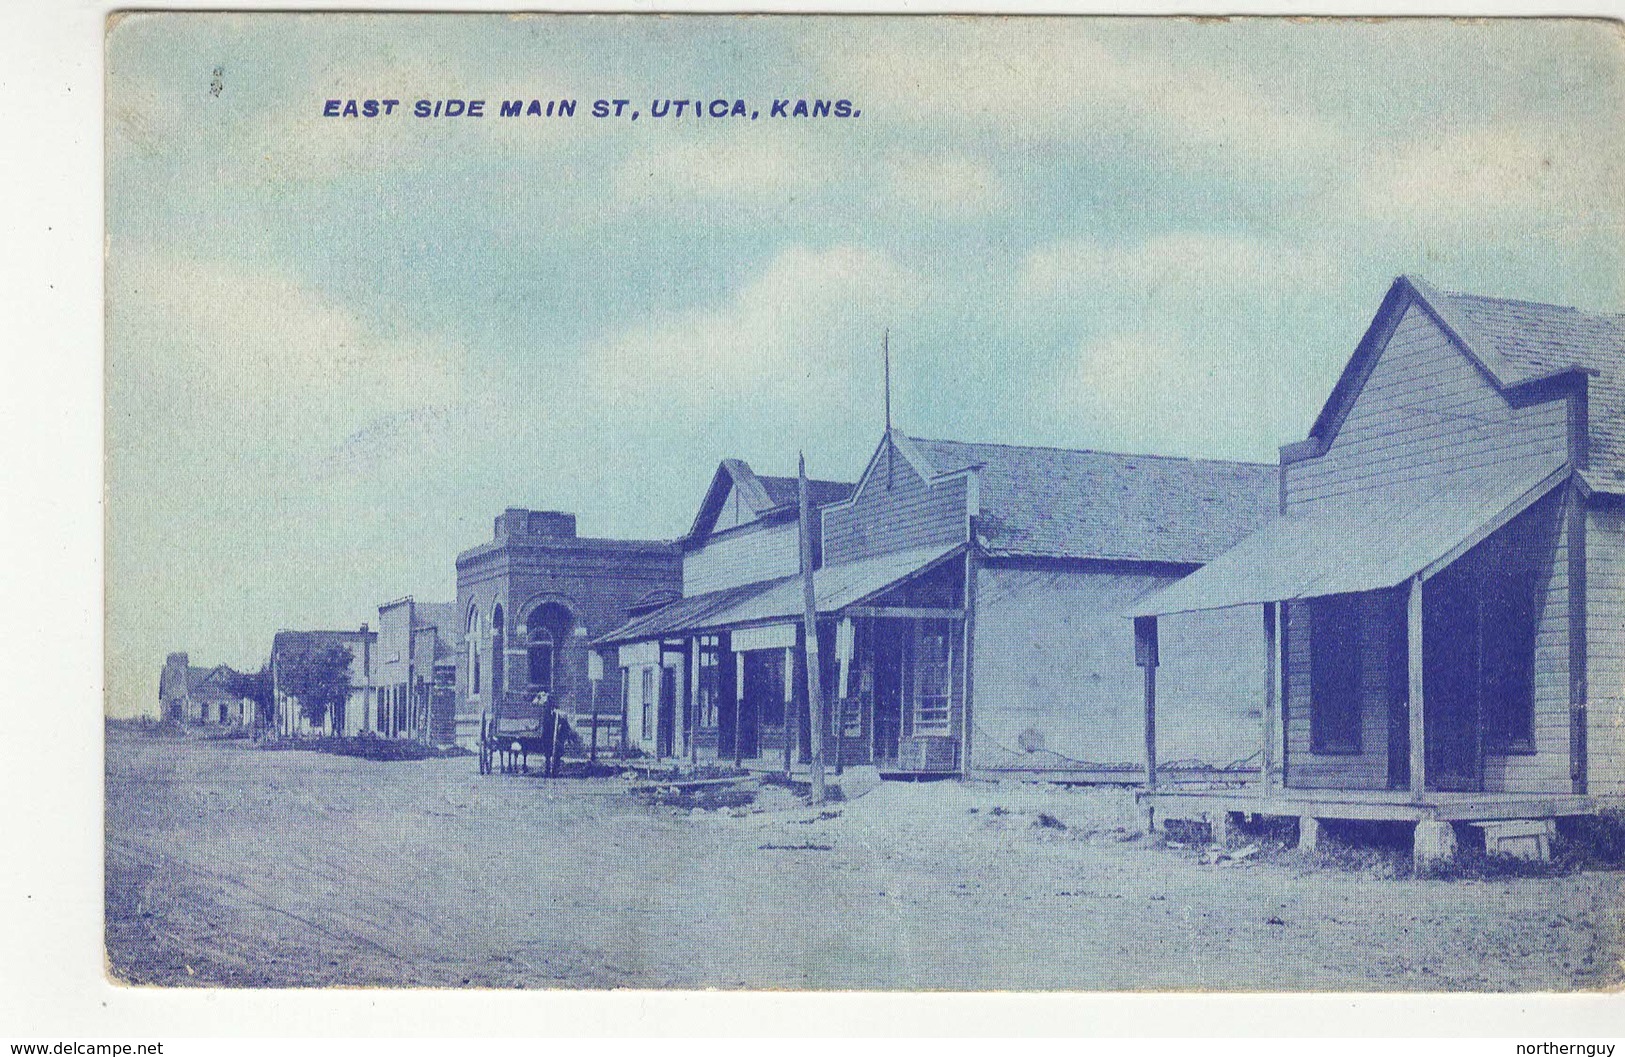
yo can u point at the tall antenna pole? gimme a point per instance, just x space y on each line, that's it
885 358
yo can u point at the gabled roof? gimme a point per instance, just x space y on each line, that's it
1064 503
289 641
1514 344
200 678
762 495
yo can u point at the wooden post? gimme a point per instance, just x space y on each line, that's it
592 752
967 661
694 702
815 696
792 718
739 709
1145 655
1266 758
1418 715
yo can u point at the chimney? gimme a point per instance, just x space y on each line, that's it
518 523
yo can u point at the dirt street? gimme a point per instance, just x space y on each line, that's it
231 866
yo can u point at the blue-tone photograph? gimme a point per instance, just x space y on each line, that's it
838 503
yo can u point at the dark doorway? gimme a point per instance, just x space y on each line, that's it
763 704
889 652
1450 637
666 721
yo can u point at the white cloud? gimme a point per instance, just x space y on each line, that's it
738 166
1179 267
787 340
961 185
228 357
1062 79
1471 180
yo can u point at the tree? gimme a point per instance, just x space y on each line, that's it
256 687
319 676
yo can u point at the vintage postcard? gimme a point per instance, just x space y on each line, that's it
865 503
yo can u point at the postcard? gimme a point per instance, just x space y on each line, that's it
864 503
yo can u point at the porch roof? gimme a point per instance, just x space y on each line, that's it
1365 541
834 586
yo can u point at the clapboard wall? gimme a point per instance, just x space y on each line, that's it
1605 625
894 509
755 551
1425 410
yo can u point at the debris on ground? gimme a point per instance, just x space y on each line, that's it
795 847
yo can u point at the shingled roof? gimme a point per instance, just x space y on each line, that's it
1064 503
1524 341
763 495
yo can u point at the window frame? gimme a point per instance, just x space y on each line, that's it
933 719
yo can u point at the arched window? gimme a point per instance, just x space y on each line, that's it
473 641
497 658
546 629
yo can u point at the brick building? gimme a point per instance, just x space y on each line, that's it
528 603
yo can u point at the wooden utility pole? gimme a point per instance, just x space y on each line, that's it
815 696
595 669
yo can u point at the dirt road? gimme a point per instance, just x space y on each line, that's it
230 866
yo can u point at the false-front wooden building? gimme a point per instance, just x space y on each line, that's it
1443 594
968 599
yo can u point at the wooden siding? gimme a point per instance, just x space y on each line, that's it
894 514
1367 769
1055 666
732 511
1605 615
1540 536
1426 409
746 555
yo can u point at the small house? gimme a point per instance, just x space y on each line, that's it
352 714
194 695
1441 591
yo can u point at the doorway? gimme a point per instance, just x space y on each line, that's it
890 641
1451 635
666 720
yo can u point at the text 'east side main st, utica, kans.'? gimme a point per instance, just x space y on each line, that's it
612 109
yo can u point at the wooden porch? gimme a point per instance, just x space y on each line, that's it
1399 805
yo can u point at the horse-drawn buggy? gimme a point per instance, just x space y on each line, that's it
509 741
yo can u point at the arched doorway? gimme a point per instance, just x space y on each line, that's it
547 631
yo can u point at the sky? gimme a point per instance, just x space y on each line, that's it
338 347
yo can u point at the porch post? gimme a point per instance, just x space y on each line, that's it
792 714
1145 655
1266 757
739 707
694 701
1417 717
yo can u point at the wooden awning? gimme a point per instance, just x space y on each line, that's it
1364 541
